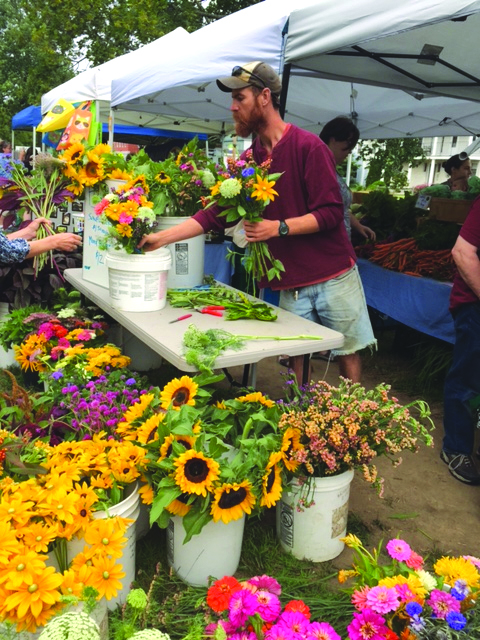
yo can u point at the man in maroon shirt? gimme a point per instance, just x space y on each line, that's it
462 384
304 226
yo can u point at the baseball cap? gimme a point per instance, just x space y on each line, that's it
257 74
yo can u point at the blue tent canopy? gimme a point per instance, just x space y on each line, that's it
31 117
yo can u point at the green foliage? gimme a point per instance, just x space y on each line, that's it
387 159
435 234
391 217
14 329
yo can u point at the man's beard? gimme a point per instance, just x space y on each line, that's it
256 121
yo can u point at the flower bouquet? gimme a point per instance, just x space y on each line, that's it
178 183
36 195
129 216
195 469
401 600
328 430
243 190
251 610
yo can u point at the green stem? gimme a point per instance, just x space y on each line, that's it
302 337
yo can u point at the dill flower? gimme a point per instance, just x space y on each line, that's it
75 625
230 187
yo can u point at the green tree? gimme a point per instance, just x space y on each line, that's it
387 160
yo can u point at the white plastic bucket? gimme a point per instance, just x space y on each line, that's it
7 357
215 551
138 282
314 533
188 257
128 508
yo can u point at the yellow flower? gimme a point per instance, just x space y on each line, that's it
130 208
232 501
215 190
29 352
124 230
105 537
91 173
136 410
101 149
179 506
272 481
163 178
345 574
452 569
352 541
23 565
105 576
118 174
76 188
71 585
256 397
74 153
412 581
290 444
38 536
196 473
166 449
146 494
179 392
264 190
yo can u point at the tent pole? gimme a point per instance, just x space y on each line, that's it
110 128
34 147
285 82
349 169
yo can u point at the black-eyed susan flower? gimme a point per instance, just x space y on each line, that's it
232 501
263 190
106 537
196 473
105 576
178 392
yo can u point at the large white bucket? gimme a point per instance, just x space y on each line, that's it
215 551
7 357
128 508
314 533
138 282
188 257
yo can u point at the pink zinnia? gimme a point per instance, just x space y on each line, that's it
322 631
266 583
268 606
443 603
47 330
367 625
404 592
399 550
295 621
475 561
279 632
242 605
359 598
124 218
382 599
101 206
243 635
415 561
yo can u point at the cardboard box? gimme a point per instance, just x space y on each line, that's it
449 209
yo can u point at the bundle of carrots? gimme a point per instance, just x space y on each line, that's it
404 256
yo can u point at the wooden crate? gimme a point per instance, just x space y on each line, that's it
449 209
358 196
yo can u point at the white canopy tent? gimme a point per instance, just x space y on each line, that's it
281 31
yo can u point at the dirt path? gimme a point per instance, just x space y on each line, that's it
422 502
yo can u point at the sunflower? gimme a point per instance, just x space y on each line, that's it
92 173
166 449
147 432
263 190
179 392
195 472
163 178
118 174
137 181
256 397
74 153
290 443
232 501
272 481
76 188
101 149
179 506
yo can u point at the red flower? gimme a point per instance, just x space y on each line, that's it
220 593
300 606
60 331
391 635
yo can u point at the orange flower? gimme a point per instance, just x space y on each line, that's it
263 190
220 593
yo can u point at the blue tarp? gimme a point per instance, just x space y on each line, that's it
31 117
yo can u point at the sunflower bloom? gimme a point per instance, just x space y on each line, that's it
256 397
196 473
179 506
179 392
263 190
73 154
232 501
272 482
118 174
290 444
105 577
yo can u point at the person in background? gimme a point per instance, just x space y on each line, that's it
28 160
304 226
5 147
459 169
341 135
462 384
17 246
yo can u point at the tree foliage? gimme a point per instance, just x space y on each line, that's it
43 44
387 160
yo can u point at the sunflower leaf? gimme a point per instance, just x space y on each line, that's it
161 501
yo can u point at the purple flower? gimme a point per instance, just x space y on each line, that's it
278 632
456 620
130 381
249 171
382 599
413 608
56 375
295 621
460 590
243 635
399 550
268 605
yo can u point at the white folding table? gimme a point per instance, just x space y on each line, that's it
166 339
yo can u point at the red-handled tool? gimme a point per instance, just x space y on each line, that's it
210 311
214 307
188 315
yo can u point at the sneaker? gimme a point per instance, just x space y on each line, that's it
462 467
447 457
